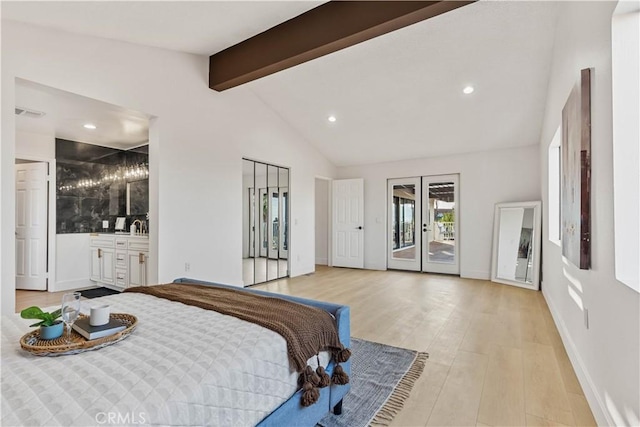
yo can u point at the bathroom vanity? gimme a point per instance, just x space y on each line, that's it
119 261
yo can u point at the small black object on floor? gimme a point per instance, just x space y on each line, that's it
98 292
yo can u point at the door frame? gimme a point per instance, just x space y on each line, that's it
51 216
329 212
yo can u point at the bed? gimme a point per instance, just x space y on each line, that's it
183 365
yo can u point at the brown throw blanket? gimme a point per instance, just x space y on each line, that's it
307 330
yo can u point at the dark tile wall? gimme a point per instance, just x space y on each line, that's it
90 186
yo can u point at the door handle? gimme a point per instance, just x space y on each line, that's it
359 228
140 258
99 253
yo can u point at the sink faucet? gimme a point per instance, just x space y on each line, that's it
134 224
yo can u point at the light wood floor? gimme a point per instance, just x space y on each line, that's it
496 357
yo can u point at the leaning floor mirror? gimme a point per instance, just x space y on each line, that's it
516 244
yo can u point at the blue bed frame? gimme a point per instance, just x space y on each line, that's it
291 412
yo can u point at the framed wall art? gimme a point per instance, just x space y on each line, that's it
576 173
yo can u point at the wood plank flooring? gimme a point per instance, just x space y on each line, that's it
496 357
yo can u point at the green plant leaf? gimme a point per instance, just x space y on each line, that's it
32 313
47 319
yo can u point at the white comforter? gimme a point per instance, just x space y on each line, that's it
182 366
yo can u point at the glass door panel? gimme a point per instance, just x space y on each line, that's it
440 224
261 215
283 256
248 221
273 225
404 213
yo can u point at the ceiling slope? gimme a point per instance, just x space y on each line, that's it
400 96
397 96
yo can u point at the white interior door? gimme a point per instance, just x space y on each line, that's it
347 222
440 224
31 226
405 205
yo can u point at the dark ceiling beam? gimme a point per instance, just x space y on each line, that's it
325 29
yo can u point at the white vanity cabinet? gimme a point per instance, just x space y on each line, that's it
138 256
119 261
103 259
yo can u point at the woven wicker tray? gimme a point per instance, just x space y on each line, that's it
32 343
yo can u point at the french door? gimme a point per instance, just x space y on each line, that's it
423 224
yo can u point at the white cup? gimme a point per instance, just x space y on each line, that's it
99 315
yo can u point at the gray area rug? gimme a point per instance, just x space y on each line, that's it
381 380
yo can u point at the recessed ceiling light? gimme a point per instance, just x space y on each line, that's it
468 90
332 119
89 126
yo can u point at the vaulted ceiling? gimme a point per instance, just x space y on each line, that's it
398 96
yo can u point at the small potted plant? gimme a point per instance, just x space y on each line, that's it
50 326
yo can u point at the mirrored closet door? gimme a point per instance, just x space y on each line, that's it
265 222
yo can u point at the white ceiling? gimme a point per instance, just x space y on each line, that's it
67 113
396 97
200 27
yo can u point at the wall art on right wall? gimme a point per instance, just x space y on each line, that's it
576 173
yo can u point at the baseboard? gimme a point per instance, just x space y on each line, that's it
322 261
68 285
595 401
475 274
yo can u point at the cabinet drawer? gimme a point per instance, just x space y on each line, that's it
138 245
121 277
121 259
103 242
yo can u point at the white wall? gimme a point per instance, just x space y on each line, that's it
486 178
606 355
322 221
197 140
35 145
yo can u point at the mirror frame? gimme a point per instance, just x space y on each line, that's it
535 238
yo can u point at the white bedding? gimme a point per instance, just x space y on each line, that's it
182 366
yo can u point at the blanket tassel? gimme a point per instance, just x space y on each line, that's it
339 376
325 380
310 381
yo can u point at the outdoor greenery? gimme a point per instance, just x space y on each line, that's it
447 217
